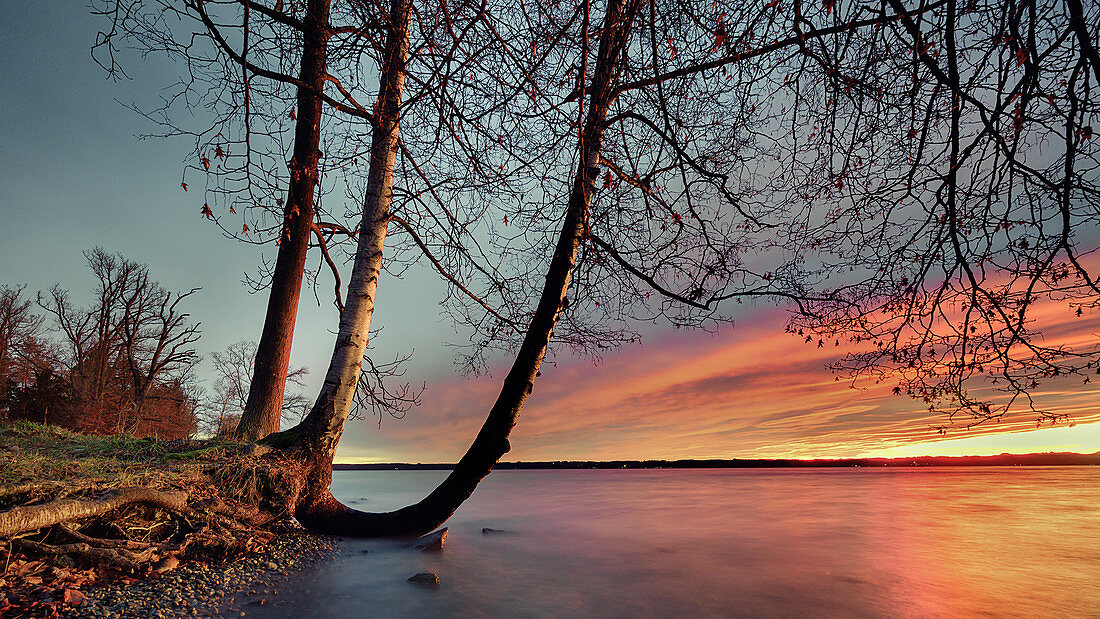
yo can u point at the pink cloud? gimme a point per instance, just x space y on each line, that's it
752 392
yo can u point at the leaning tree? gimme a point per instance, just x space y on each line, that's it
875 164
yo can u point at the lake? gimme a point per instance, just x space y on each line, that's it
862 542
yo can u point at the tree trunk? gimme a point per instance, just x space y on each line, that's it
264 407
321 511
315 439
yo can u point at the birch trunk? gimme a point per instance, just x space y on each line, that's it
264 406
325 513
316 438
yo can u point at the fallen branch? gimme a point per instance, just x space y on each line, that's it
22 519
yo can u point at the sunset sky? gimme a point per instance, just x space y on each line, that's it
75 176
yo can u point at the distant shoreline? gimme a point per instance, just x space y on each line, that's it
1040 459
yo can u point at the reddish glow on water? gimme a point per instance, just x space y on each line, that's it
779 542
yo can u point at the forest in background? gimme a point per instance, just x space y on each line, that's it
124 363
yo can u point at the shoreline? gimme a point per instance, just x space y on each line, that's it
209 590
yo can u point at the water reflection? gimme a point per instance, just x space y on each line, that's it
777 542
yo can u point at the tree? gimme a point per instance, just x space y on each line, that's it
20 332
827 105
124 346
234 370
970 218
738 152
252 178
314 441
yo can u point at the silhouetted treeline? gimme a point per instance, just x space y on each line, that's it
1037 459
121 364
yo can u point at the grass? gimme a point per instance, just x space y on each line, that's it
32 453
40 463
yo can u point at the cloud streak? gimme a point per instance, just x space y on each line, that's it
754 392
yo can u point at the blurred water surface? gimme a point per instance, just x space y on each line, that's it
923 542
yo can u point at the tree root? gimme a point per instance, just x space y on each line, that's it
101 556
22 519
77 536
58 490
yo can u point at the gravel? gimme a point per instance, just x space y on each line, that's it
203 590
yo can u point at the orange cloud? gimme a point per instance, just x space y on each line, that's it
753 392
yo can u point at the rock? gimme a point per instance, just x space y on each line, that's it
432 542
489 531
271 565
428 579
255 450
167 564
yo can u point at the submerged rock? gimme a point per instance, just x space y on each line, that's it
432 542
427 579
491 531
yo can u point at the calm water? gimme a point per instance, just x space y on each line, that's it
946 542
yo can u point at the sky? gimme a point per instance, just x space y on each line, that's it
75 175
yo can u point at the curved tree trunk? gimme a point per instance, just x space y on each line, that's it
264 406
321 511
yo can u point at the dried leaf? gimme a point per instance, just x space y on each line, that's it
74 597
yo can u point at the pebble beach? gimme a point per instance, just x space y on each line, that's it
205 590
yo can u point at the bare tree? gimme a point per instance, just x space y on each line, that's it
721 153
234 368
20 335
130 338
962 221
254 66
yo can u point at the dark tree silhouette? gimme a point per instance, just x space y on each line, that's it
961 224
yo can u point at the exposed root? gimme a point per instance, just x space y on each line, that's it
77 536
99 556
193 502
22 519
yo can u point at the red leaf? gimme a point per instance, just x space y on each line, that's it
184 185
206 163
206 212
218 152
244 229
291 116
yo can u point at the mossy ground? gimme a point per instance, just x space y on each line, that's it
39 462
225 488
